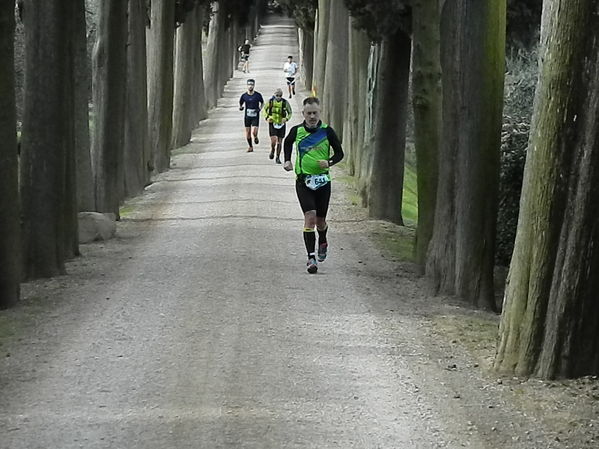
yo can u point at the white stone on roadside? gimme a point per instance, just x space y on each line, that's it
96 226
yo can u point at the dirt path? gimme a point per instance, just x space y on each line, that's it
198 326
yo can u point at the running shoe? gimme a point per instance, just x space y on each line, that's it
250 149
256 141
312 266
322 251
271 155
278 160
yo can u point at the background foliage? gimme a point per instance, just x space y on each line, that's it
520 84
303 11
380 18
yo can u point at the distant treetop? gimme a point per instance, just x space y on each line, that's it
380 18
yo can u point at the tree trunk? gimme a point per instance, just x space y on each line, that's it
391 107
10 251
359 52
364 157
85 178
47 142
138 160
77 100
184 71
306 56
213 58
336 67
461 256
426 88
161 81
550 321
109 96
229 53
198 91
441 253
320 46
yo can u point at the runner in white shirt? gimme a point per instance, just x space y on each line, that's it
290 69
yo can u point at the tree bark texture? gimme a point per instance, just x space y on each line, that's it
391 108
461 253
229 51
214 58
10 226
47 144
334 93
359 52
109 97
306 56
550 321
138 160
85 178
426 88
184 71
78 109
320 45
199 109
161 81
234 33
365 157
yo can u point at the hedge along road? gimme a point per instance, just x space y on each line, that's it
198 326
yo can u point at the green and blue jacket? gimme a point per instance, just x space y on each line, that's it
312 145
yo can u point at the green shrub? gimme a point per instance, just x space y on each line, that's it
520 83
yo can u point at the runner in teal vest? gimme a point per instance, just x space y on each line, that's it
313 141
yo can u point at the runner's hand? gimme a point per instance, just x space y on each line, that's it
323 164
288 166
241 108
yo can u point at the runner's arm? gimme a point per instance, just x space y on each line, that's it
288 144
336 144
266 114
241 101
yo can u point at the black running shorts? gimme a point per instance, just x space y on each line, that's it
272 131
291 80
251 121
317 200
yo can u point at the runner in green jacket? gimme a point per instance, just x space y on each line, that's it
313 141
277 112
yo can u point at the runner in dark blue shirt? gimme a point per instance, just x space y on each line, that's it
253 102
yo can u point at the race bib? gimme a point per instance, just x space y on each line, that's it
251 112
278 125
315 182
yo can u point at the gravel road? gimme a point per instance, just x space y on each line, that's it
198 326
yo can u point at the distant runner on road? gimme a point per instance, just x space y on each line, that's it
253 103
277 113
313 141
290 69
244 49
